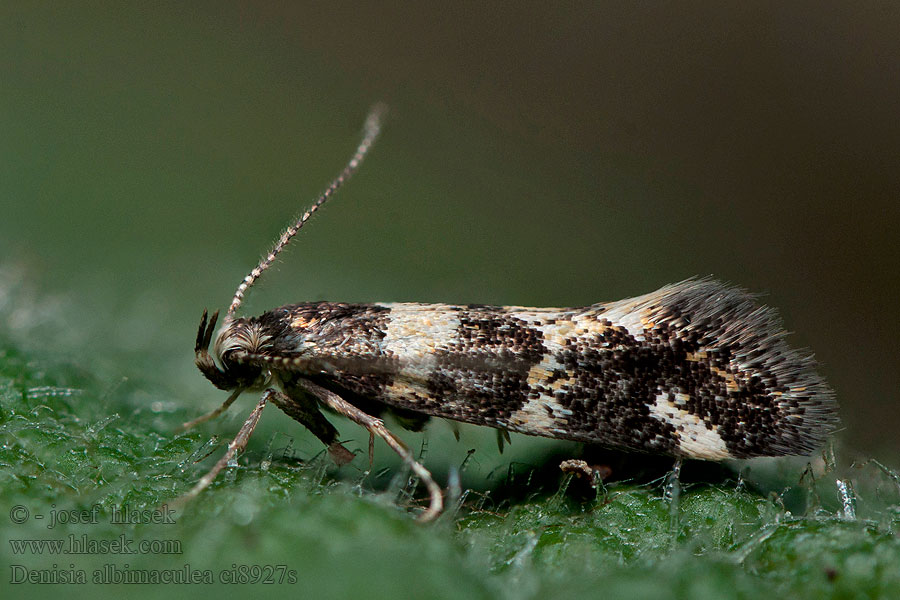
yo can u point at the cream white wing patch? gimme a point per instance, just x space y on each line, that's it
415 332
695 438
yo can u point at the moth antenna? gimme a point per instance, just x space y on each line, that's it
372 129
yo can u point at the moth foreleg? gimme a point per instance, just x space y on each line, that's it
376 426
238 444
299 406
213 413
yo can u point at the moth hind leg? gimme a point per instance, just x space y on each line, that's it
375 426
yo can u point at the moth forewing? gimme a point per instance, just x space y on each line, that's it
696 369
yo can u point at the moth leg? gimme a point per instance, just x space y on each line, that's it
375 427
299 406
212 414
238 444
593 474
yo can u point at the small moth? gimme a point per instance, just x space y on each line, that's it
695 369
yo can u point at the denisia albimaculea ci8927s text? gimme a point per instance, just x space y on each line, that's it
696 369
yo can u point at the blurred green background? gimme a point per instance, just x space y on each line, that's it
534 154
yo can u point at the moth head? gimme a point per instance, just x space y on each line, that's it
227 367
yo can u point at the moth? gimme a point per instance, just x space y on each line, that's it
696 369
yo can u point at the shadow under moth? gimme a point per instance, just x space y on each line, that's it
696 369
